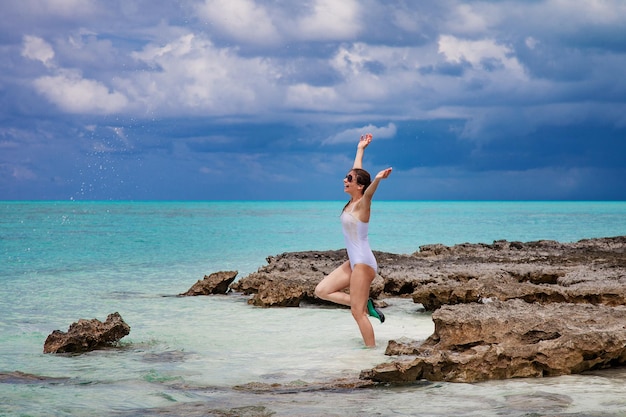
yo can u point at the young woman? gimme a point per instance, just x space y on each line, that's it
358 272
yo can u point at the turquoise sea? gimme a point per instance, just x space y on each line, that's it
61 261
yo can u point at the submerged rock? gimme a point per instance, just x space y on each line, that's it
499 340
18 377
216 283
87 335
200 409
278 294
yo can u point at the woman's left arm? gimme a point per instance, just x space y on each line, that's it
369 193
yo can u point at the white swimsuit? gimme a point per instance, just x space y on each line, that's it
357 244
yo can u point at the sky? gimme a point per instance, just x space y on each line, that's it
266 100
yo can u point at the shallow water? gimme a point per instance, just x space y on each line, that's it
192 355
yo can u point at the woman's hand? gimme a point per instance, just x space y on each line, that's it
383 174
364 141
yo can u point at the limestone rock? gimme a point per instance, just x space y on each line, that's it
589 271
499 340
501 310
87 335
291 278
277 294
216 283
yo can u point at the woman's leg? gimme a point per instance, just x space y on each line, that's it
360 282
332 286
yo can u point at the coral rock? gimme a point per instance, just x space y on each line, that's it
87 335
500 340
216 283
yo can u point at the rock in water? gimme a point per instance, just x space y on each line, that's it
278 294
87 335
216 283
512 339
290 278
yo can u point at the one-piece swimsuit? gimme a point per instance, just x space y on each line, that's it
357 243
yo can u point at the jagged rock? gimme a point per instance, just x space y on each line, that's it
498 340
501 310
589 271
87 335
216 283
290 278
404 346
277 294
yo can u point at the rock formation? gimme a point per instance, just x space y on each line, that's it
500 340
589 271
216 283
501 310
290 278
87 335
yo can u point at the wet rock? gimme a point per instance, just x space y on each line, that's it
499 340
501 310
538 402
404 346
200 409
18 377
278 294
216 283
290 278
303 386
87 335
589 271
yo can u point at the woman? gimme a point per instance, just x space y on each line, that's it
358 272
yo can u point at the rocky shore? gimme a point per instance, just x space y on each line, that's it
501 310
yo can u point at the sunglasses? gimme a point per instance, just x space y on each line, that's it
349 177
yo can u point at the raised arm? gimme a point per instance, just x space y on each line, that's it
360 149
369 193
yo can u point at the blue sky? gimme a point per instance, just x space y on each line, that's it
253 100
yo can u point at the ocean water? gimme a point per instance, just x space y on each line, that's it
61 261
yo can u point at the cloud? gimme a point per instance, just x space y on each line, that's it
273 23
352 135
243 20
56 8
38 49
67 88
465 19
17 172
480 54
190 75
308 97
75 94
330 19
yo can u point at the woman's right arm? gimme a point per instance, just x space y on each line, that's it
360 150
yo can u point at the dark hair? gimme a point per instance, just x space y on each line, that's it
362 178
